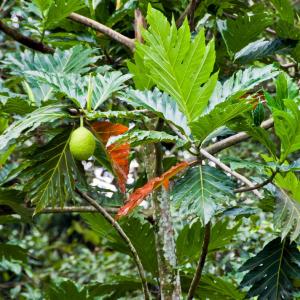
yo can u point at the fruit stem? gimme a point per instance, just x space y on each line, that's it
81 121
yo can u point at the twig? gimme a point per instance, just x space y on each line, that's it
124 236
139 23
25 40
188 11
235 139
72 209
228 170
201 262
256 187
103 29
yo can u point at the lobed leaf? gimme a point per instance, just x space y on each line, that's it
177 65
200 190
46 114
271 271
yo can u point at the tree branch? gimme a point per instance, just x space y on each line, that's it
201 262
25 40
228 170
73 209
124 236
189 11
258 186
235 139
103 29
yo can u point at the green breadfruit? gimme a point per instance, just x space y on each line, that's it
82 143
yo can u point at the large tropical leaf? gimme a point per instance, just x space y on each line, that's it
14 199
65 290
287 211
213 287
287 128
12 252
60 9
46 114
200 190
261 49
241 82
140 233
177 65
76 87
218 116
159 103
190 239
271 271
246 28
258 133
138 137
52 178
75 60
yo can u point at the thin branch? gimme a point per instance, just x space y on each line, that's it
235 139
228 170
189 11
201 262
25 40
103 29
75 209
124 236
256 187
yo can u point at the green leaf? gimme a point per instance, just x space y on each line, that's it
177 65
136 137
46 114
285 89
287 128
115 114
190 239
140 233
139 72
159 103
261 49
258 114
76 87
287 212
75 60
240 32
115 288
200 191
241 82
271 271
12 252
284 9
213 287
61 9
42 5
218 117
52 177
66 290
258 133
216 288
15 200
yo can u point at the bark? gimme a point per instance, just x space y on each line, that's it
164 232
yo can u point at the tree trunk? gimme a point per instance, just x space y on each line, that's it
164 231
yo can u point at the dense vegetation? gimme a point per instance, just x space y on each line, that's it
149 149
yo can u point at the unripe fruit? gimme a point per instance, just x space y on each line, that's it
82 143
